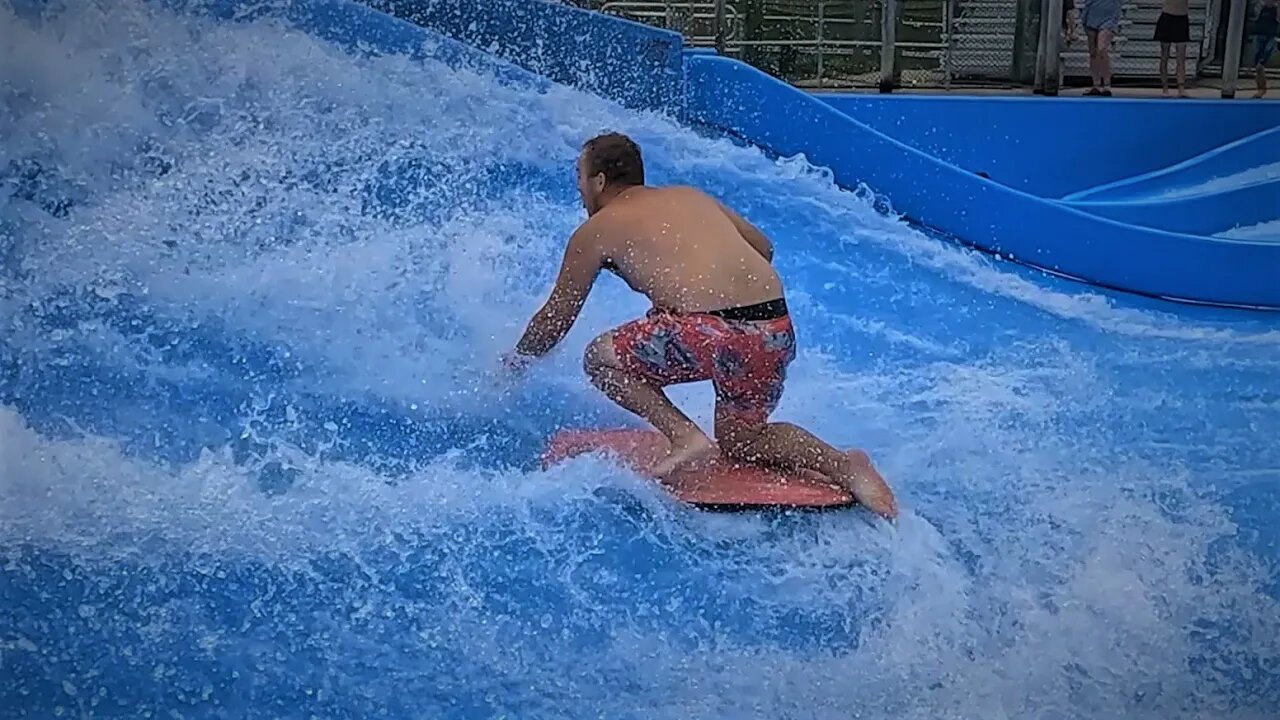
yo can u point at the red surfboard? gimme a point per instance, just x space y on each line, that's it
721 484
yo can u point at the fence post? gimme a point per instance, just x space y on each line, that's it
888 39
720 30
821 42
1231 60
1027 31
949 28
1052 53
1041 47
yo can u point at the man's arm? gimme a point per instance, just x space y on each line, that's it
578 271
752 233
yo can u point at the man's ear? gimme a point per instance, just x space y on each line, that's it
598 182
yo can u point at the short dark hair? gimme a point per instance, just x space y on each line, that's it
615 155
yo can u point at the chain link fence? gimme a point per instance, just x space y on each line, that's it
835 44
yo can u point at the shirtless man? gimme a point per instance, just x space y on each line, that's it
718 314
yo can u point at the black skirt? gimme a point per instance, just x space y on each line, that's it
1173 28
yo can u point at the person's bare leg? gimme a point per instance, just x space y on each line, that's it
689 444
1261 77
1104 59
789 446
1164 69
1182 70
1095 75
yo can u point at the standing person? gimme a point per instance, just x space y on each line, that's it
1173 28
1101 20
1266 27
719 314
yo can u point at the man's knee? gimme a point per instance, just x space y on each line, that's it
599 356
734 445
737 439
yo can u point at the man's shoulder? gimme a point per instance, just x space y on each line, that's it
601 229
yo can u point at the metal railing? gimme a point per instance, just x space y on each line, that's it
925 43
710 23
821 43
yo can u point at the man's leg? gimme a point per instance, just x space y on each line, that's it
784 445
749 376
642 396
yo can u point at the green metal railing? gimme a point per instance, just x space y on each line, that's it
889 44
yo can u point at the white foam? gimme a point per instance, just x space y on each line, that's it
86 497
1268 231
1248 176
1067 538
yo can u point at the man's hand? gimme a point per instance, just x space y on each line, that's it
506 374
515 362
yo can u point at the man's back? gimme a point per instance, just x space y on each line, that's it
679 247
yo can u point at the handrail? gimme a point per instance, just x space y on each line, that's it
719 24
964 38
724 18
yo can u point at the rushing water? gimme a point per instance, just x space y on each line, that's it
257 460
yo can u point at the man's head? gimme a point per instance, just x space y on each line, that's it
609 164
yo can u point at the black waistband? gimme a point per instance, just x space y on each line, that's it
768 310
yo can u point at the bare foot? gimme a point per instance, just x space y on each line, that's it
686 452
868 487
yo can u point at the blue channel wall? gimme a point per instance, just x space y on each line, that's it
1231 186
1045 233
1203 214
1256 150
636 65
1053 147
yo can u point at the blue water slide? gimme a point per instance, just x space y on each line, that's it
1057 147
1213 193
1039 231
1251 160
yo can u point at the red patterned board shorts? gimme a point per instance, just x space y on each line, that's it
746 360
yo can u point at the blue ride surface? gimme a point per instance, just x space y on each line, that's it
257 263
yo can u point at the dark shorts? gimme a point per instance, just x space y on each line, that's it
1263 46
1173 28
744 355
